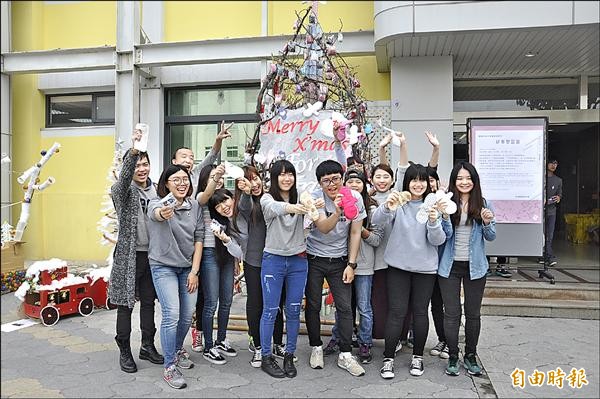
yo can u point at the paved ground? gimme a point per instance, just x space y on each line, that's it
78 358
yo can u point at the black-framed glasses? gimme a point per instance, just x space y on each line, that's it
180 180
333 180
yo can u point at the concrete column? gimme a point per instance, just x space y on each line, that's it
422 100
127 90
5 116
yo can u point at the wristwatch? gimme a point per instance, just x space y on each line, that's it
352 265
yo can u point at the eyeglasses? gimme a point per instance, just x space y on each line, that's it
333 180
180 181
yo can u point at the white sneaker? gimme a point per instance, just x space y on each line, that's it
437 349
445 353
387 370
316 357
348 362
256 358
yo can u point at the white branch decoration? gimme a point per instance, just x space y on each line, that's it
32 175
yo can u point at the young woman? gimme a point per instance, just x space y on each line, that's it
249 221
464 261
284 261
216 274
411 254
175 248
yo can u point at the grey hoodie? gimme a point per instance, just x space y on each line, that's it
285 232
365 260
172 241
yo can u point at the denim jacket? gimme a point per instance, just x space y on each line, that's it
478 263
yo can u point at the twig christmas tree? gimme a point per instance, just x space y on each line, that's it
108 225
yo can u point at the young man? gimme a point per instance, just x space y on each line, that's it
332 247
130 278
184 156
553 197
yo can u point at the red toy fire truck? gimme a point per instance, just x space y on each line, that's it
56 293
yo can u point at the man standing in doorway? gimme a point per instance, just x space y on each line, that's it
553 197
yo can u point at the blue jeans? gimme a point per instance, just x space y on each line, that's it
177 306
217 284
362 290
275 271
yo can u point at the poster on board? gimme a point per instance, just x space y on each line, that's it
509 156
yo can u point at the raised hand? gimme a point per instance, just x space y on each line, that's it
224 131
386 140
433 215
486 215
244 185
433 140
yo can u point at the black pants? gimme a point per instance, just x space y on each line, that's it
407 289
437 311
379 303
332 269
254 307
473 292
199 307
144 291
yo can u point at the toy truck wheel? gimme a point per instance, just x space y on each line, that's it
86 306
49 315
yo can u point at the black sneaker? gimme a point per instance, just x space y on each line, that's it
269 365
364 354
355 341
452 367
331 347
503 272
470 363
552 262
225 348
288 365
213 356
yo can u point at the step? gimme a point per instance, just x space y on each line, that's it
559 308
542 290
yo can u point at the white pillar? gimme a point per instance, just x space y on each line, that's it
127 95
422 100
583 92
5 115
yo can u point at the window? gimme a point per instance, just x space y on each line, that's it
232 153
80 110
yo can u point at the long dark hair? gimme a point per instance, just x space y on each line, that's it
416 171
204 176
476 201
162 189
278 168
249 173
219 196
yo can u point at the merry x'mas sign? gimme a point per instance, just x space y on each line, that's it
301 141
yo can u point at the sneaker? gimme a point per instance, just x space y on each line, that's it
348 362
445 354
183 359
269 365
225 348
174 378
364 354
541 261
355 343
452 367
387 371
436 350
251 347
416 366
213 356
316 357
489 273
197 340
503 272
398 347
470 362
410 340
279 352
288 365
256 360
553 262
331 347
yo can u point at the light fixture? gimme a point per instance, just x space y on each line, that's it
530 54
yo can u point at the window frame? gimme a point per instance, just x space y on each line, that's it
95 120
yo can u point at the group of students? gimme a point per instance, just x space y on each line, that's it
383 261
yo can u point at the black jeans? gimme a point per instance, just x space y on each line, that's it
254 306
332 269
144 291
473 292
407 289
199 306
550 225
437 311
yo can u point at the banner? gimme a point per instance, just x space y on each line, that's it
299 139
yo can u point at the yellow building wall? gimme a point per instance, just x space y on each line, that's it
203 20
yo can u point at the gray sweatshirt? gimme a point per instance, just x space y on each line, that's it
172 241
254 230
412 246
285 232
366 255
380 263
146 194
